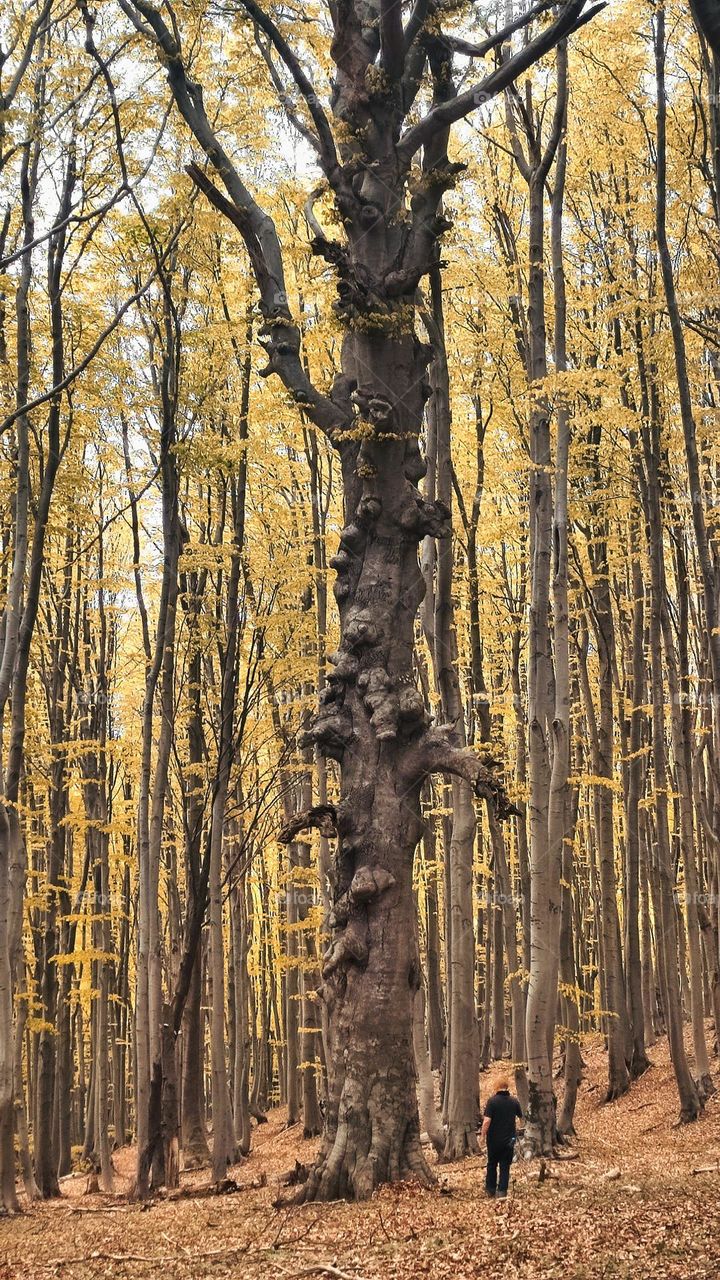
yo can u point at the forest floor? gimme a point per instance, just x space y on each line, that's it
640 1201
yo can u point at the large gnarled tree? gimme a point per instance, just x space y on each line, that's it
382 147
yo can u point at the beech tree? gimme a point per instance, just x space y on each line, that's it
383 152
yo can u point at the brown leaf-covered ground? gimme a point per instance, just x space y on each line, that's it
657 1219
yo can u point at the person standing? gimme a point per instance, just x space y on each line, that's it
498 1129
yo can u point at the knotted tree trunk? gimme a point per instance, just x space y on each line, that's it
372 718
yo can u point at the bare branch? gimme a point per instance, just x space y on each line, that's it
327 152
7 98
82 365
569 20
470 50
284 98
78 219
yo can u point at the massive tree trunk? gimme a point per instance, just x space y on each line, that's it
707 20
372 718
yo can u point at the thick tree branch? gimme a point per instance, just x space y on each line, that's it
323 817
280 335
188 97
327 153
569 20
392 39
416 22
437 754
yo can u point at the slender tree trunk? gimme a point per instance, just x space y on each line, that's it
545 859
7 1145
429 1120
461 1089
602 741
678 700
97 833
559 815
291 1001
571 1001
241 1066
151 806
17 677
196 1151
646 950
634 914
665 921
505 904
435 1009
696 488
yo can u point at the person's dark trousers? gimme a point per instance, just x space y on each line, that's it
498 1158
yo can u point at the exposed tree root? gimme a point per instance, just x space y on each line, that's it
639 1065
615 1091
460 1142
705 1087
351 1168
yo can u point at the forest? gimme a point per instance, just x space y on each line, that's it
359 637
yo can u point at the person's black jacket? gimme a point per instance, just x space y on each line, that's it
502 1109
